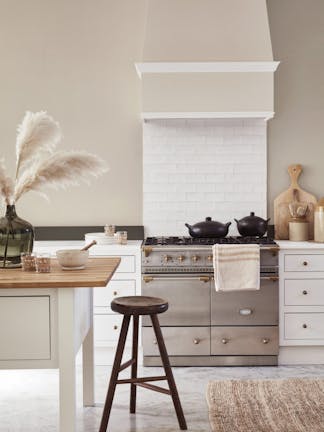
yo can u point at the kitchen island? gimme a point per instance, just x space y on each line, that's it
44 320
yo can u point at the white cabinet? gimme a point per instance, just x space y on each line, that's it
301 268
125 282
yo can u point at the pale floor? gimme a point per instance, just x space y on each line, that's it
29 398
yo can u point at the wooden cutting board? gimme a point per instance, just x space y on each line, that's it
281 203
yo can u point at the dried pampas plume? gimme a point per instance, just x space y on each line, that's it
38 165
60 170
6 184
37 132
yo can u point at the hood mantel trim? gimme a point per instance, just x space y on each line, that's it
205 67
265 115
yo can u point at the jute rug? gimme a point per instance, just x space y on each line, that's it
283 405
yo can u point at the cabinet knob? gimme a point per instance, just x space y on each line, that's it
265 340
304 325
196 341
115 293
305 292
155 342
115 327
225 341
305 263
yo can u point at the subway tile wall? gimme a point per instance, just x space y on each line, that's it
198 168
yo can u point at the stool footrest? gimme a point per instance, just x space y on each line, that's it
154 388
141 380
126 364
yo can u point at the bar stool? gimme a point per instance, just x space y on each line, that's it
136 306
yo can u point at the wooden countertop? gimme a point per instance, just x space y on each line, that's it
97 273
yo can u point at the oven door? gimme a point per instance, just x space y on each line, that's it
259 307
188 298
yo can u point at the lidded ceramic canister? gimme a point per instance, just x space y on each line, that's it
319 221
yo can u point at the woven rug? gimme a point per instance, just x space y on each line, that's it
283 405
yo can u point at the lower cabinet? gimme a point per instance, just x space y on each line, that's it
301 295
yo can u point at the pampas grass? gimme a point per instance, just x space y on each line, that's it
6 184
37 132
60 170
39 165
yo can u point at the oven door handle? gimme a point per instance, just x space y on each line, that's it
148 279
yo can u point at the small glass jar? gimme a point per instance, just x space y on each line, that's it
28 261
43 263
110 230
121 237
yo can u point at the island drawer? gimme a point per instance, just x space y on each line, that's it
261 340
304 292
178 341
304 263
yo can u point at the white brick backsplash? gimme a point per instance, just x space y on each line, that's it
197 168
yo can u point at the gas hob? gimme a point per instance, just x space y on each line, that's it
191 241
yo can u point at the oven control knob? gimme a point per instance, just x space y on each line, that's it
195 258
180 258
166 258
210 258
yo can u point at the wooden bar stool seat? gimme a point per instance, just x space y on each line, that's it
134 306
139 305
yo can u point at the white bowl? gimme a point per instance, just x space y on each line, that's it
72 259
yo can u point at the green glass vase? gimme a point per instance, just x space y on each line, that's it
16 237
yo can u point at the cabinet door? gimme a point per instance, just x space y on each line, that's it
178 341
25 328
188 298
102 297
304 262
304 292
259 307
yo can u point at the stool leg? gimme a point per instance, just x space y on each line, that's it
134 365
114 374
168 372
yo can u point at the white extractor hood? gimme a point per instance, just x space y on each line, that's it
207 59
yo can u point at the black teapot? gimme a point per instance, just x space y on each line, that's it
208 228
252 226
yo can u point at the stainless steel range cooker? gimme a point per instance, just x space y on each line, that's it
203 327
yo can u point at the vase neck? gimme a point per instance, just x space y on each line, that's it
11 212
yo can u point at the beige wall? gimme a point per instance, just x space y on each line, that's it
75 59
296 134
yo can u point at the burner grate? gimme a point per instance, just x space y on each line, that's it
183 241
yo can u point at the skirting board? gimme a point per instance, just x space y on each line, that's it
301 355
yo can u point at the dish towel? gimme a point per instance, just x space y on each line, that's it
236 267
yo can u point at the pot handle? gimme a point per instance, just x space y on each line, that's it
188 226
236 221
228 224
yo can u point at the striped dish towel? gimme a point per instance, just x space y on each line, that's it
236 267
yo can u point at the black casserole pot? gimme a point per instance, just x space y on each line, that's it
208 228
